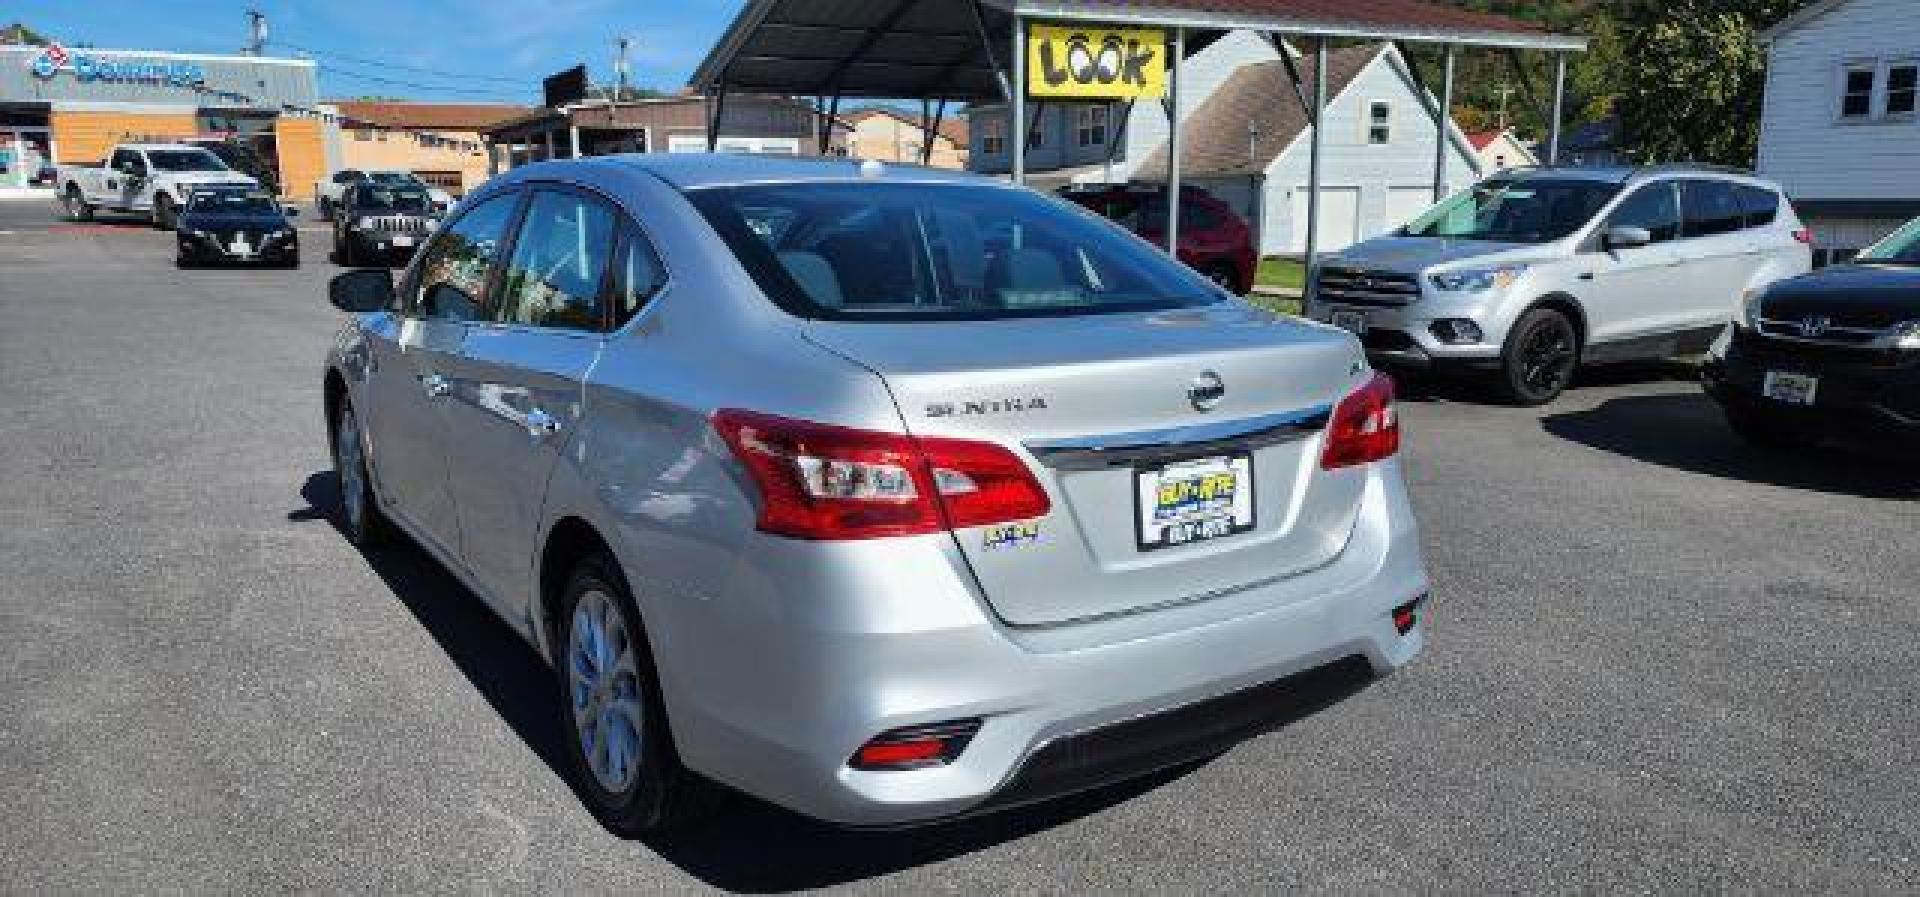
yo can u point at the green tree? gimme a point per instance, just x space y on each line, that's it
18 33
1690 89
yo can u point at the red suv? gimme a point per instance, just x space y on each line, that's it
1214 240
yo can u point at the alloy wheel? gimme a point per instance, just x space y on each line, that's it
1547 358
350 465
604 691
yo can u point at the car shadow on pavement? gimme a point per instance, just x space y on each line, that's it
1686 431
747 844
1478 387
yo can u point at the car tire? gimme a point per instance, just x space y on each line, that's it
618 744
360 517
1769 431
1540 358
326 209
164 215
343 253
76 203
182 262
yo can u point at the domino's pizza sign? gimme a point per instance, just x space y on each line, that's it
87 67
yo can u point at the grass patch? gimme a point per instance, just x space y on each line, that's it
1278 304
1279 272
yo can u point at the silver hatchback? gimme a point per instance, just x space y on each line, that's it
887 495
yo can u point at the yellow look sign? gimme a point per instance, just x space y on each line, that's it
1093 62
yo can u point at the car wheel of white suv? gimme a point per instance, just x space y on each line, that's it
618 742
1541 355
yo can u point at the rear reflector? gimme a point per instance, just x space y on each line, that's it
919 747
819 481
1407 616
1365 427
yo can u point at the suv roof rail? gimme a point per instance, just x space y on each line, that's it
1665 167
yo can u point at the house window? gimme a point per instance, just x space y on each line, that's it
993 136
1090 125
1903 87
1379 123
1857 100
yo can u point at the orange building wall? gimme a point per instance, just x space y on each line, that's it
383 148
303 155
86 137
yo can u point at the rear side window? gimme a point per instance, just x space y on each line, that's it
1712 208
866 251
1655 207
1760 205
637 276
453 275
559 267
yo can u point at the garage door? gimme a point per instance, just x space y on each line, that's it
1406 203
1339 218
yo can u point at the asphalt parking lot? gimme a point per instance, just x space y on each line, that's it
1659 661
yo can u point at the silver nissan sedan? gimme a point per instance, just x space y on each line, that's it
882 493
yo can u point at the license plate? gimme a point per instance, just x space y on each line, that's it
403 241
240 247
1193 501
1793 389
1354 322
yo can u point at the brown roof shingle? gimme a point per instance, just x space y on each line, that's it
430 116
1366 13
1261 93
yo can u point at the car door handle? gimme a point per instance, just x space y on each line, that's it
540 424
436 385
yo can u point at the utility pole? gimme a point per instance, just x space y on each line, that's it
1505 91
622 43
256 32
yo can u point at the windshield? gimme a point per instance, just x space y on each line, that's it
247 202
939 252
1902 247
1530 211
392 178
185 160
390 199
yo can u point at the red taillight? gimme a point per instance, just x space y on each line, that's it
819 481
1804 235
1365 427
919 747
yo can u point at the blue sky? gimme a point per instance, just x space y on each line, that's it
440 49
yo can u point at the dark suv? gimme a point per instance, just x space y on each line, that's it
1214 239
1835 351
377 224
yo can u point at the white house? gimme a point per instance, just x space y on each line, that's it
1841 126
1499 150
1247 138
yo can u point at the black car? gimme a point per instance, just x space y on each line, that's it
235 225
378 224
1832 352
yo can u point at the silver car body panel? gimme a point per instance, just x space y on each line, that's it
779 657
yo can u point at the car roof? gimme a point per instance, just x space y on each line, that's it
1622 174
693 171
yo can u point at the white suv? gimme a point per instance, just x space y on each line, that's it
1535 272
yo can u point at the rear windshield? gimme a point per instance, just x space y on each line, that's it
940 252
1529 211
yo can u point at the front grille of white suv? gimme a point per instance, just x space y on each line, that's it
1356 286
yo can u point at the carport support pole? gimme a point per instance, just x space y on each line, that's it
573 141
1559 107
719 112
549 136
1175 140
1445 121
1017 134
1313 155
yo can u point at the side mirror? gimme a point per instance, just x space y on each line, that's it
359 292
1627 238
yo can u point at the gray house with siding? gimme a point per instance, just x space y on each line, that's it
1841 124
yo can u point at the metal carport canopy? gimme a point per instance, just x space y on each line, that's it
955 49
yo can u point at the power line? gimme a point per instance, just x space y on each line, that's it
334 68
463 76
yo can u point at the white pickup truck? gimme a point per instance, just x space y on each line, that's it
147 178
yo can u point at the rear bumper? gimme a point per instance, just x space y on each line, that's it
1860 392
867 638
